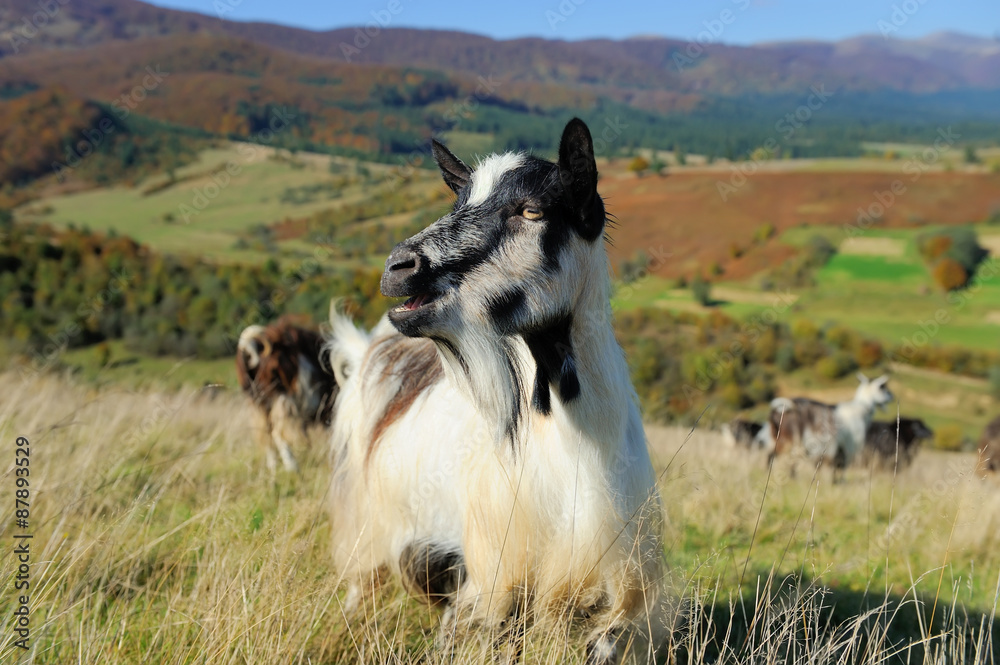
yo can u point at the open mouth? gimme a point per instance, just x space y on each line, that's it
413 303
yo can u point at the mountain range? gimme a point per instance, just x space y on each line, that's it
384 91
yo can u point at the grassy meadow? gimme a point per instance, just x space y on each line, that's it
226 191
159 537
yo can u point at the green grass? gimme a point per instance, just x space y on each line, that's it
216 215
139 371
859 268
890 298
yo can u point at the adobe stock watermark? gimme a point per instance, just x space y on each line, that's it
92 138
787 125
223 8
260 312
752 328
656 257
221 178
914 168
460 110
363 35
695 48
930 327
57 342
562 12
900 16
29 26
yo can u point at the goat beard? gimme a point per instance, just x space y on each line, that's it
497 373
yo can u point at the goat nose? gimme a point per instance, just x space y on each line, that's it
401 264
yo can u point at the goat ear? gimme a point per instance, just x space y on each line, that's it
455 172
863 379
882 380
578 172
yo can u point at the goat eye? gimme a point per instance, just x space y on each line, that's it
531 213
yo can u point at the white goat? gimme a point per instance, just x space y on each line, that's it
828 433
489 448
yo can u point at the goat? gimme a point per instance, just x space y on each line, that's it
829 433
743 433
283 370
891 443
488 447
989 448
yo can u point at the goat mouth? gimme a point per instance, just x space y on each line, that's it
413 303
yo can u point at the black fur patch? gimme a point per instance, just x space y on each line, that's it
432 571
536 180
540 397
515 414
552 350
505 308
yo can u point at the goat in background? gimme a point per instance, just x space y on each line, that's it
283 369
828 433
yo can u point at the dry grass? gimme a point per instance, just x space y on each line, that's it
158 538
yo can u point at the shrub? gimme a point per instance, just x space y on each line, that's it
764 232
949 274
638 165
868 353
805 329
993 376
632 269
809 351
820 250
835 366
784 358
934 247
701 289
731 395
949 250
948 437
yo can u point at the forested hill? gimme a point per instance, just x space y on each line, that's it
162 80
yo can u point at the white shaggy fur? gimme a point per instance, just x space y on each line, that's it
556 513
489 172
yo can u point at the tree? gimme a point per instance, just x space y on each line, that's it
639 165
970 155
701 289
949 274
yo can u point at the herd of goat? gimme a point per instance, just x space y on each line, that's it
845 433
486 444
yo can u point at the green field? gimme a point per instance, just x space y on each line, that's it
207 208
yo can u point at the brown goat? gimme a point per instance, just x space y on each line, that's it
284 369
989 448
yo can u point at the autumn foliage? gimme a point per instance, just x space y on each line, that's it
949 274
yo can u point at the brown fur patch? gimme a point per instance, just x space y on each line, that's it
278 372
415 363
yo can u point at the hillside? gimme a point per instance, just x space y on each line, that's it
182 72
939 62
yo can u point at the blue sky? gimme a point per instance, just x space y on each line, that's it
750 21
